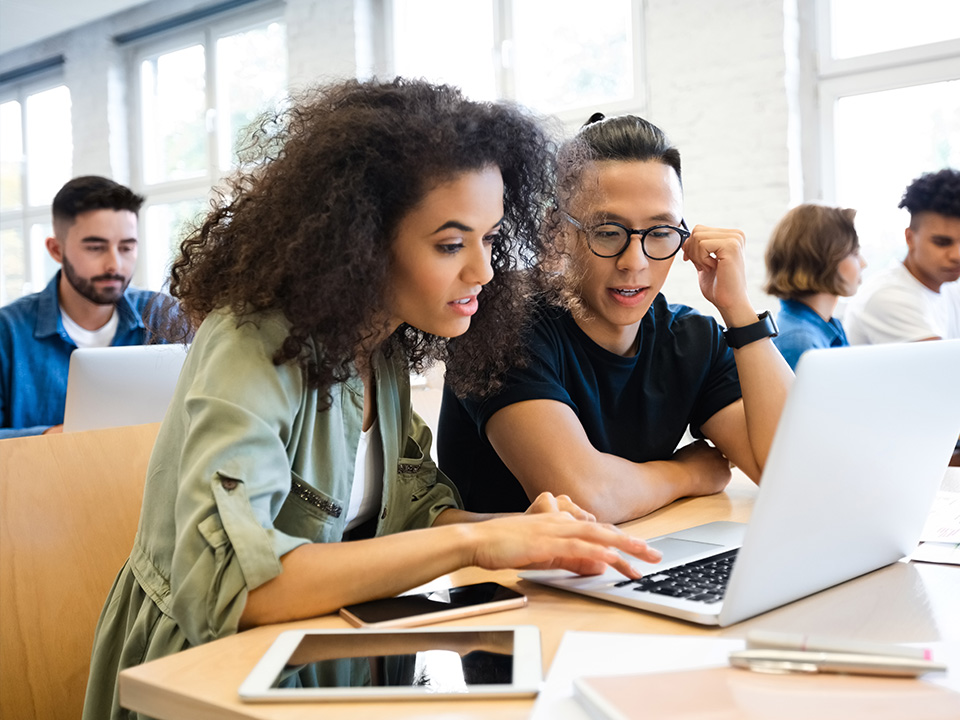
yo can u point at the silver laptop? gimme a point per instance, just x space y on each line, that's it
859 454
114 386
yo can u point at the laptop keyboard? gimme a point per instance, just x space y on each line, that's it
703 580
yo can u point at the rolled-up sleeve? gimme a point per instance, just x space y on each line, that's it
238 414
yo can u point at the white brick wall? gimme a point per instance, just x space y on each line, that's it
718 87
321 41
91 60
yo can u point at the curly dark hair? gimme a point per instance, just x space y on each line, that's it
306 228
937 192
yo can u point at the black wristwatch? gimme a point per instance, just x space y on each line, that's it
739 336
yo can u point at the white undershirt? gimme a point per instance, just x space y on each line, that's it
101 337
367 478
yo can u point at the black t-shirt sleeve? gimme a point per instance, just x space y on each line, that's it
540 378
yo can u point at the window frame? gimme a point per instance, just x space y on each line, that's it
502 52
860 75
30 215
205 32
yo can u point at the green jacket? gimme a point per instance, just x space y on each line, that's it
245 469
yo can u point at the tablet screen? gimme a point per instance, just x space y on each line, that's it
442 662
389 662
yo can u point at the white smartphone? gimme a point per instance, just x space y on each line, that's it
419 664
436 606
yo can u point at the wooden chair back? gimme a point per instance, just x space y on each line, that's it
69 507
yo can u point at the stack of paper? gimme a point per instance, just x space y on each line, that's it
940 541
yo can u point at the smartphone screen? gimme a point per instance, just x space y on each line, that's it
434 606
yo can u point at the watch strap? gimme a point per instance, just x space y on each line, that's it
764 327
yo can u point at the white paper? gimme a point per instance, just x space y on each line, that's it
943 522
936 552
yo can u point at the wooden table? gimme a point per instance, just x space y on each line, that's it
904 602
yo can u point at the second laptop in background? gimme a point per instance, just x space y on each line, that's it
115 386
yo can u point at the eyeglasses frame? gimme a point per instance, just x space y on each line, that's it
642 232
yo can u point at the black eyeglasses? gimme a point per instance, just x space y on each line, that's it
611 239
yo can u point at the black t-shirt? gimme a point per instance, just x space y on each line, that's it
635 407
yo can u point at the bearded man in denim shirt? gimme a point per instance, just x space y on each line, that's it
88 303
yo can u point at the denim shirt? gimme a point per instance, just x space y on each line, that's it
35 356
801 329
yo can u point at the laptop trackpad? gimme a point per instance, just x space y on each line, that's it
675 550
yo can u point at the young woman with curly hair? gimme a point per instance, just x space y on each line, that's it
377 220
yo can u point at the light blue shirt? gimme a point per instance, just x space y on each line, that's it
35 356
801 329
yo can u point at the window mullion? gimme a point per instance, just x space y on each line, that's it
33 260
213 108
502 55
28 273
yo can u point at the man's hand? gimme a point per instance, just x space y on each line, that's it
717 253
708 469
547 502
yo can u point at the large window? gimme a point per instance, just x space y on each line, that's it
36 158
197 93
563 57
890 108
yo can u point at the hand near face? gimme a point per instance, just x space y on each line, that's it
717 253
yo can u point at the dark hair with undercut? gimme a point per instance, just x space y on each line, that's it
624 138
806 248
91 192
937 192
306 228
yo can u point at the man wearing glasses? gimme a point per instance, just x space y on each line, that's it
615 378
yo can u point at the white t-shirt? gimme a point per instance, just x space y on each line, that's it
367 487
101 337
893 306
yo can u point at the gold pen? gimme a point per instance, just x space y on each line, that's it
772 660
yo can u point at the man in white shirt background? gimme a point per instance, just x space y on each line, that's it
918 299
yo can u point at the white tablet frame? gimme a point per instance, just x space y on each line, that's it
527 669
